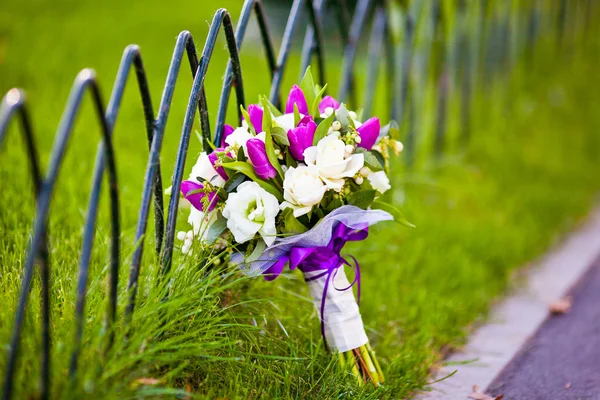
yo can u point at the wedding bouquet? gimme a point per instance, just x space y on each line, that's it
291 189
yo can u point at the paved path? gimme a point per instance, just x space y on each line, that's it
562 360
515 320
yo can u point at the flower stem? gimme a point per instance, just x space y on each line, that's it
363 364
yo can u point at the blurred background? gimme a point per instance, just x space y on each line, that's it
496 104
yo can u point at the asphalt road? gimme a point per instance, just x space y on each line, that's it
562 360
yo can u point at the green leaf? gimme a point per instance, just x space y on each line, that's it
379 157
315 105
391 129
333 204
247 119
296 115
397 214
371 160
322 129
247 169
269 147
216 229
343 116
234 181
362 199
280 136
259 249
267 118
307 84
274 110
289 160
291 224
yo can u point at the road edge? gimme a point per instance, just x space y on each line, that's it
517 317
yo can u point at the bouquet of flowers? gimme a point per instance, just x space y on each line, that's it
291 189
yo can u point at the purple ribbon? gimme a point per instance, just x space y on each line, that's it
326 259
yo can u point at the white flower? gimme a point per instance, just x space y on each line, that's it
286 121
302 189
240 136
379 181
329 158
206 171
251 210
201 222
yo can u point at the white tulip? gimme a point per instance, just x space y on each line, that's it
286 121
379 181
332 164
251 210
302 189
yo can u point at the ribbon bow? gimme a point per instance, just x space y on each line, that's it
326 259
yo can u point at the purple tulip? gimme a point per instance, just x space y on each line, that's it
328 101
198 199
301 137
227 130
258 157
212 157
369 132
256 117
296 97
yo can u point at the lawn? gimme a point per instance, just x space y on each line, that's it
528 175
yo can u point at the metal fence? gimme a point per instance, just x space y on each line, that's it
472 38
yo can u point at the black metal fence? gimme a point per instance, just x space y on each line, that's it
473 40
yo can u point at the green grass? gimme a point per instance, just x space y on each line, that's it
529 175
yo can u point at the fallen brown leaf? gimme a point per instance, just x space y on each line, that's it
479 395
561 306
147 381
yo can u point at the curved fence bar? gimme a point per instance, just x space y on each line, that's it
363 9
460 52
185 43
15 103
221 17
131 58
249 5
86 80
313 40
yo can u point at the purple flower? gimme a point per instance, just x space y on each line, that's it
256 117
296 97
258 157
369 132
328 101
227 130
212 157
198 199
301 137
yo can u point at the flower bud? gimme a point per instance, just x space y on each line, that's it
327 103
258 157
301 137
227 130
197 200
369 132
256 117
296 97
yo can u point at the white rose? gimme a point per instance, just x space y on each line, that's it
329 158
302 189
206 171
379 181
251 210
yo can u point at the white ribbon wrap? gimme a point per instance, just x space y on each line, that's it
344 329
